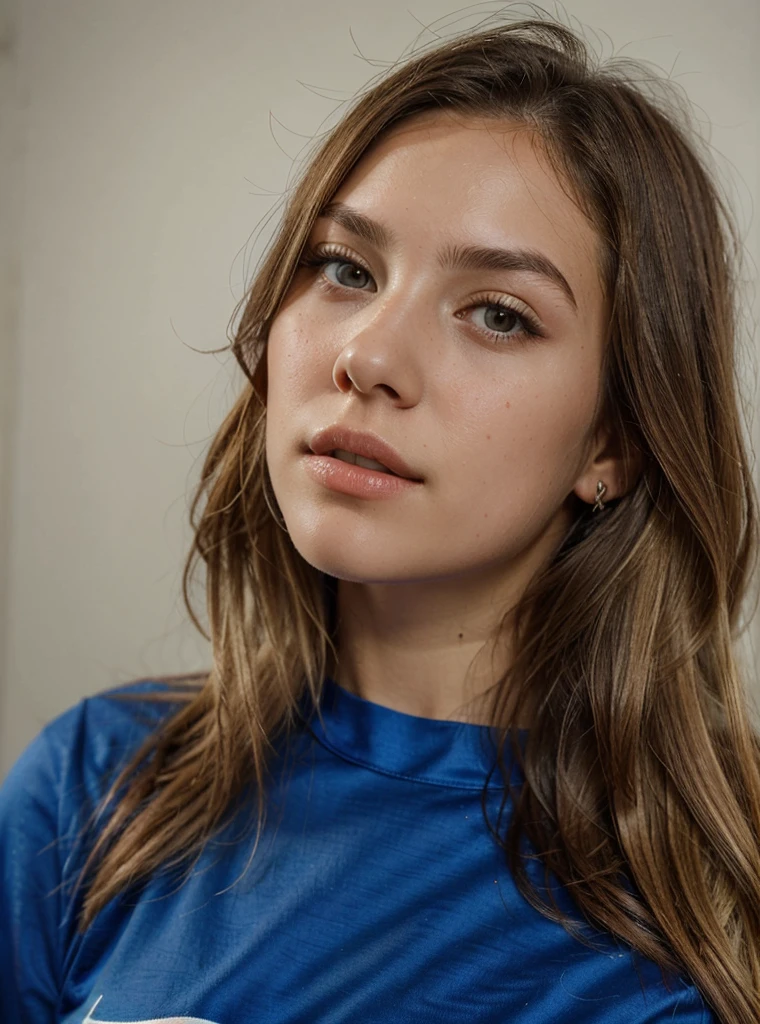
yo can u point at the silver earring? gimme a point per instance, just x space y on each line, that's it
601 490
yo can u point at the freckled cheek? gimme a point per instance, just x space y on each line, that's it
293 360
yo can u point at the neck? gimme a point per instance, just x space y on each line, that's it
423 649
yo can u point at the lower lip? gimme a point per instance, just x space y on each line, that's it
348 478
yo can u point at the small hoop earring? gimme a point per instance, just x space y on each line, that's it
601 490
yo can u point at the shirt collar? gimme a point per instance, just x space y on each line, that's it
435 751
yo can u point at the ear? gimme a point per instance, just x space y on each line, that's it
608 463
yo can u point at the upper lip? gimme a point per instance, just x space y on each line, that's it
361 443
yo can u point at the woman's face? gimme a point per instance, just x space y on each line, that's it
417 331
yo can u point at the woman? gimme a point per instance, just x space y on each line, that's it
474 746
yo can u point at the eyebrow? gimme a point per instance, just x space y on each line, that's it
455 257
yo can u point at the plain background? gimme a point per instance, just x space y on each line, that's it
142 142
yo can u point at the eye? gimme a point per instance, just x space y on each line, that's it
337 270
350 275
501 319
498 319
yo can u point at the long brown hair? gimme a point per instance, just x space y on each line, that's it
642 770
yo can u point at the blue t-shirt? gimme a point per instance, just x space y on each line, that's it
376 894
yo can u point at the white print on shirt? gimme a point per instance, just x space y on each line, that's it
89 1019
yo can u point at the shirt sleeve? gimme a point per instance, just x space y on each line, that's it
30 885
47 804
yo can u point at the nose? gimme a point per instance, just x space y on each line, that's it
382 352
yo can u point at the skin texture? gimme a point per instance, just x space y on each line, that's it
501 427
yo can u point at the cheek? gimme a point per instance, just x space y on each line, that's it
531 436
290 361
281 356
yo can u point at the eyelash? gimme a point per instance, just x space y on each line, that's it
320 256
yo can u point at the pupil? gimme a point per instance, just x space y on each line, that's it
498 317
351 274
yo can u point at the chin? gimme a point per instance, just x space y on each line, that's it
343 564
347 556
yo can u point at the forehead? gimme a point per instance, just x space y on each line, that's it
441 178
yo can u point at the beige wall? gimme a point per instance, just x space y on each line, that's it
11 156
141 132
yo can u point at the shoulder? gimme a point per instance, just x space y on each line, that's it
47 803
62 776
67 768
78 752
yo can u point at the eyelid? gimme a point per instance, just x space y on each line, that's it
337 251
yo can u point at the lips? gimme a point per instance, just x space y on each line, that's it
370 446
